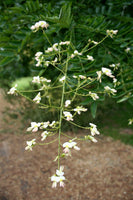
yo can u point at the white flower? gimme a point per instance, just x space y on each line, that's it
37 98
44 135
62 79
59 172
107 72
30 144
130 121
36 79
67 103
13 90
34 127
90 58
75 54
112 32
82 77
50 49
65 43
89 137
127 49
68 116
38 63
37 55
99 73
40 24
75 76
47 63
115 66
94 42
93 129
69 145
55 47
45 80
93 95
55 180
110 90
78 109
58 177
44 125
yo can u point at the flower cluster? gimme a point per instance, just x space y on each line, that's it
58 178
40 24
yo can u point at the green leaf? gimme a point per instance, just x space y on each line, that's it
93 109
5 61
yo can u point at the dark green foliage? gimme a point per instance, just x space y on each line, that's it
69 20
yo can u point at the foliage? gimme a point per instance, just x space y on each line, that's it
71 20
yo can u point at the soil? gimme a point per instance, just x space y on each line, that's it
99 171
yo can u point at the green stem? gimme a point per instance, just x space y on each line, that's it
61 111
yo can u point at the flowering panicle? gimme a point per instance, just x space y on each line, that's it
58 56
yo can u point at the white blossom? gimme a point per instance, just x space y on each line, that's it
82 77
34 126
37 98
94 42
79 109
69 145
67 103
30 144
89 137
13 90
112 32
90 58
65 43
68 116
93 95
130 121
107 72
44 125
75 54
58 178
93 129
44 135
99 73
62 79
110 90
127 50
36 79
40 24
